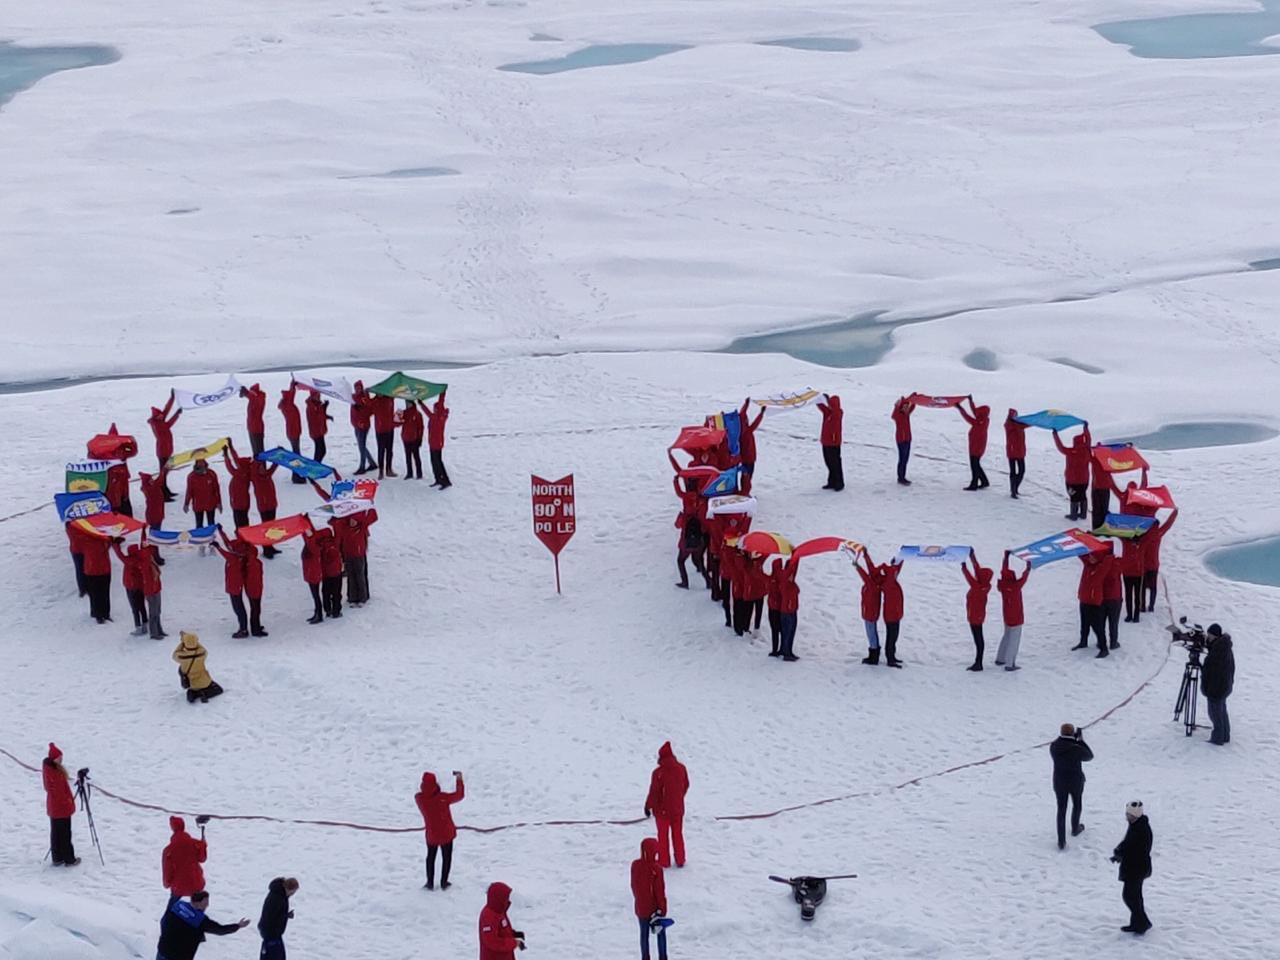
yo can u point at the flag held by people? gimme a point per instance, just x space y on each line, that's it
795 400
304 467
275 532
730 422
695 439
1050 420
724 484
404 387
73 506
1153 498
1119 457
826 545
934 553
936 403
88 476
196 537
762 542
1059 546
734 504
336 387
1124 526
195 399
207 452
108 526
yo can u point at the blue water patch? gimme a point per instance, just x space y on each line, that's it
1273 263
545 38
1203 433
23 67
858 342
599 55
1077 365
1255 562
980 358
408 173
822 44
1198 35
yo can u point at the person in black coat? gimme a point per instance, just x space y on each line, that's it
1134 856
1069 751
1217 678
184 926
275 917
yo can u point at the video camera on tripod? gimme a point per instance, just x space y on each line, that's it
84 790
1192 636
1196 640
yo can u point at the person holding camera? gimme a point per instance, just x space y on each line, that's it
497 940
1069 751
180 868
276 915
434 804
1134 856
1217 678
184 927
60 805
650 894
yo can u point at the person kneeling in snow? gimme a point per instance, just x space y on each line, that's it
190 657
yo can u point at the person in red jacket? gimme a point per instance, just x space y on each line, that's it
411 432
318 418
902 435
1092 617
331 569
788 608
1010 586
1078 455
755 584
162 429
60 805
650 894
97 576
204 495
497 940
254 420
743 574
154 497
692 543
1151 559
131 578
1015 448
773 597
243 577
117 492
665 802
75 543
713 529
891 594
433 803
975 604
832 437
151 588
361 420
313 572
1131 571
180 869
1103 485
747 444
384 432
240 470
353 537
871 585
288 406
437 418
262 479
979 421
1112 595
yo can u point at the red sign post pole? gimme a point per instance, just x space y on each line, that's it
554 518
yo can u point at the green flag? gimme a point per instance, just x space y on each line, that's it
88 475
404 387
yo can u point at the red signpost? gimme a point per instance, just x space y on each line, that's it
554 522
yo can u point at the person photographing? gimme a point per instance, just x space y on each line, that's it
1069 751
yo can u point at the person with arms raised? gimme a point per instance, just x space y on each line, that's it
255 422
292 421
832 437
902 435
1078 456
162 429
975 604
437 817
979 421
1010 586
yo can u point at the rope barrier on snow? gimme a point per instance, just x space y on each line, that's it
825 801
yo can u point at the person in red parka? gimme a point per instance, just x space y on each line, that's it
75 543
433 803
331 570
243 577
254 420
1151 541
1102 485
1015 449
97 576
1112 594
151 588
754 587
180 869
788 608
773 597
411 432
204 495
162 429
891 595
901 417
288 406
870 605
131 578
1078 455
240 470
384 432
650 894
1092 617
1010 586
747 445
437 418
117 492
262 479
313 571
665 802
497 940
975 604
352 533
1131 572
832 437
60 805
318 418
361 421
979 422
153 497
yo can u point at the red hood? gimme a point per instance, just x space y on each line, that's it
54 752
177 825
833 402
649 850
984 575
665 753
429 785
499 897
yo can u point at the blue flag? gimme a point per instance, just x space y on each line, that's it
724 484
1050 420
199 537
1059 546
1124 525
936 554
73 506
304 467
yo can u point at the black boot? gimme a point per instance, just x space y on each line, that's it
872 657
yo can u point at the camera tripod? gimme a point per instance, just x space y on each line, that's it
1188 693
84 788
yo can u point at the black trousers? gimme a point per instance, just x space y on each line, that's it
237 604
775 631
446 862
741 616
168 494
1101 504
61 849
1131 893
295 444
977 476
1017 470
240 517
684 554
1076 796
904 454
318 612
362 444
332 593
255 441
254 619
267 515
1093 617
412 456
137 606
835 468
99 587
891 640
204 518
713 576
125 506
1132 597
386 450
77 561
357 579
979 645
1076 493
319 449
1111 613
440 474
1150 579
726 600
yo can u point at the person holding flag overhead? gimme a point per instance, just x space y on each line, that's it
975 604
154 497
243 578
162 429
1112 595
97 576
317 425
901 417
292 421
747 443
891 598
1151 558
411 431
871 586
1078 455
979 423
1131 570
1092 616
313 572
361 421
1010 586
240 470
384 432
832 437
1103 485
254 421
1015 448
437 417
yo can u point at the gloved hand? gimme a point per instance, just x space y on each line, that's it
1115 858
647 813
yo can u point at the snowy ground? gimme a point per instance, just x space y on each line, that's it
969 155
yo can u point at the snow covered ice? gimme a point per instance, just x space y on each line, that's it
269 186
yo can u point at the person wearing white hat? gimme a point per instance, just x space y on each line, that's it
1134 856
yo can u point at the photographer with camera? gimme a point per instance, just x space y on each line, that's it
1069 751
180 868
1217 678
1134 856
60 805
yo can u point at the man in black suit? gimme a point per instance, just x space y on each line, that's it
1069 751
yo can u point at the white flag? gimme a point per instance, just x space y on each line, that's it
190 399
336 387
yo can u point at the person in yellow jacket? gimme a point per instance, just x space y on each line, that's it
190 656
